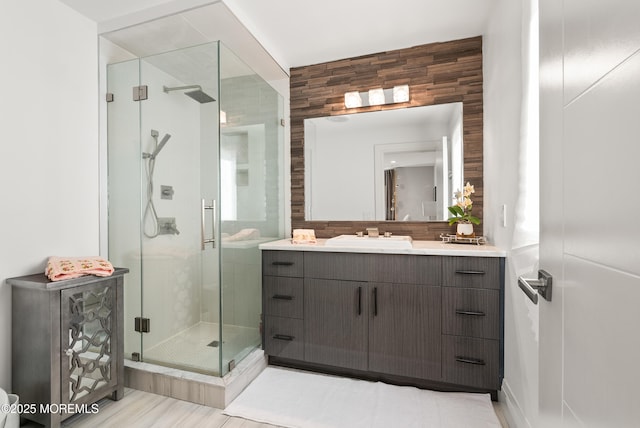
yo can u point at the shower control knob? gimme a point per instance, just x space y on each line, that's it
166 192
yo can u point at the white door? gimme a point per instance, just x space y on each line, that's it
589 174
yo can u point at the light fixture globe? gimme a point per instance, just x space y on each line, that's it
376 97
401 94
352 100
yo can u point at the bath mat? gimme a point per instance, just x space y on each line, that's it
297 399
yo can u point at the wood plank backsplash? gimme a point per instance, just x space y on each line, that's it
436 73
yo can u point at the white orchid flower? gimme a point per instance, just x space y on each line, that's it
469 189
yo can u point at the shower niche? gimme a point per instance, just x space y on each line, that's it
195 184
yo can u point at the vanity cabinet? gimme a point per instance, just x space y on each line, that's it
282 304
67 343
400 317
371 312
471 326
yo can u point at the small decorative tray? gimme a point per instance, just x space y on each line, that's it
455 239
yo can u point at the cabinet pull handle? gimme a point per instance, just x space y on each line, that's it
282 263
472 313
468 360
470 272
282 297
283 337
375 301
359 300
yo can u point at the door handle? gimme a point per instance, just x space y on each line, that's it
541 286
212 240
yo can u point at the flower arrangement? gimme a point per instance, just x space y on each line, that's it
461 211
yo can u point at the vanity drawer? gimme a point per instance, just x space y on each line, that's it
284 337
283 263
471 312
471 362
405 269
471 272
283 296
341 266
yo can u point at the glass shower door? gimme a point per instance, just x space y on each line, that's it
180 262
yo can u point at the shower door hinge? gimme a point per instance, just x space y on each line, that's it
109 97
282 122
140 93
142 325
232 365
135 356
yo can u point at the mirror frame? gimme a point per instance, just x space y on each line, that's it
436 73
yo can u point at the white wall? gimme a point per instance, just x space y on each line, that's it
504 165
49 149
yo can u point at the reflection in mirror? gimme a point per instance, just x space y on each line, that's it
401 164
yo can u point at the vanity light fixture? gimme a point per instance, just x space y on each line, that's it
352 100
377 97
401 94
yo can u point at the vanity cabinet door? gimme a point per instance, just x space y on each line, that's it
405 330
335 323
89 341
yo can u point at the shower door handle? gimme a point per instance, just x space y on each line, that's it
211 240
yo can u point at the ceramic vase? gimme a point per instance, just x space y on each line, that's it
465 230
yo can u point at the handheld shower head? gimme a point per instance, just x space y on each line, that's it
160 145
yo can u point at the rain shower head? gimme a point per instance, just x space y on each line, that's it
199 95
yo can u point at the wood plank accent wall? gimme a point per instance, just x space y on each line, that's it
436 73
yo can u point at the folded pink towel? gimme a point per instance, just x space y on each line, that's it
59 268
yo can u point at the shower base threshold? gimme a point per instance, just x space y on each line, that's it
196 388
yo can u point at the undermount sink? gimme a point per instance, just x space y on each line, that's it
393 241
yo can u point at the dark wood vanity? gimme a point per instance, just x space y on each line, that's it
433 321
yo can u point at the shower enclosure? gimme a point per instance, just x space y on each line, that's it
195 183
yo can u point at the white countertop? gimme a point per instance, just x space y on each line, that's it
426 248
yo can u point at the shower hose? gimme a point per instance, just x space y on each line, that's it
150 209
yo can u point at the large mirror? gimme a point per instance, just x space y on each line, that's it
402 164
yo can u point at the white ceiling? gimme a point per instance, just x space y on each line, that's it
299 32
